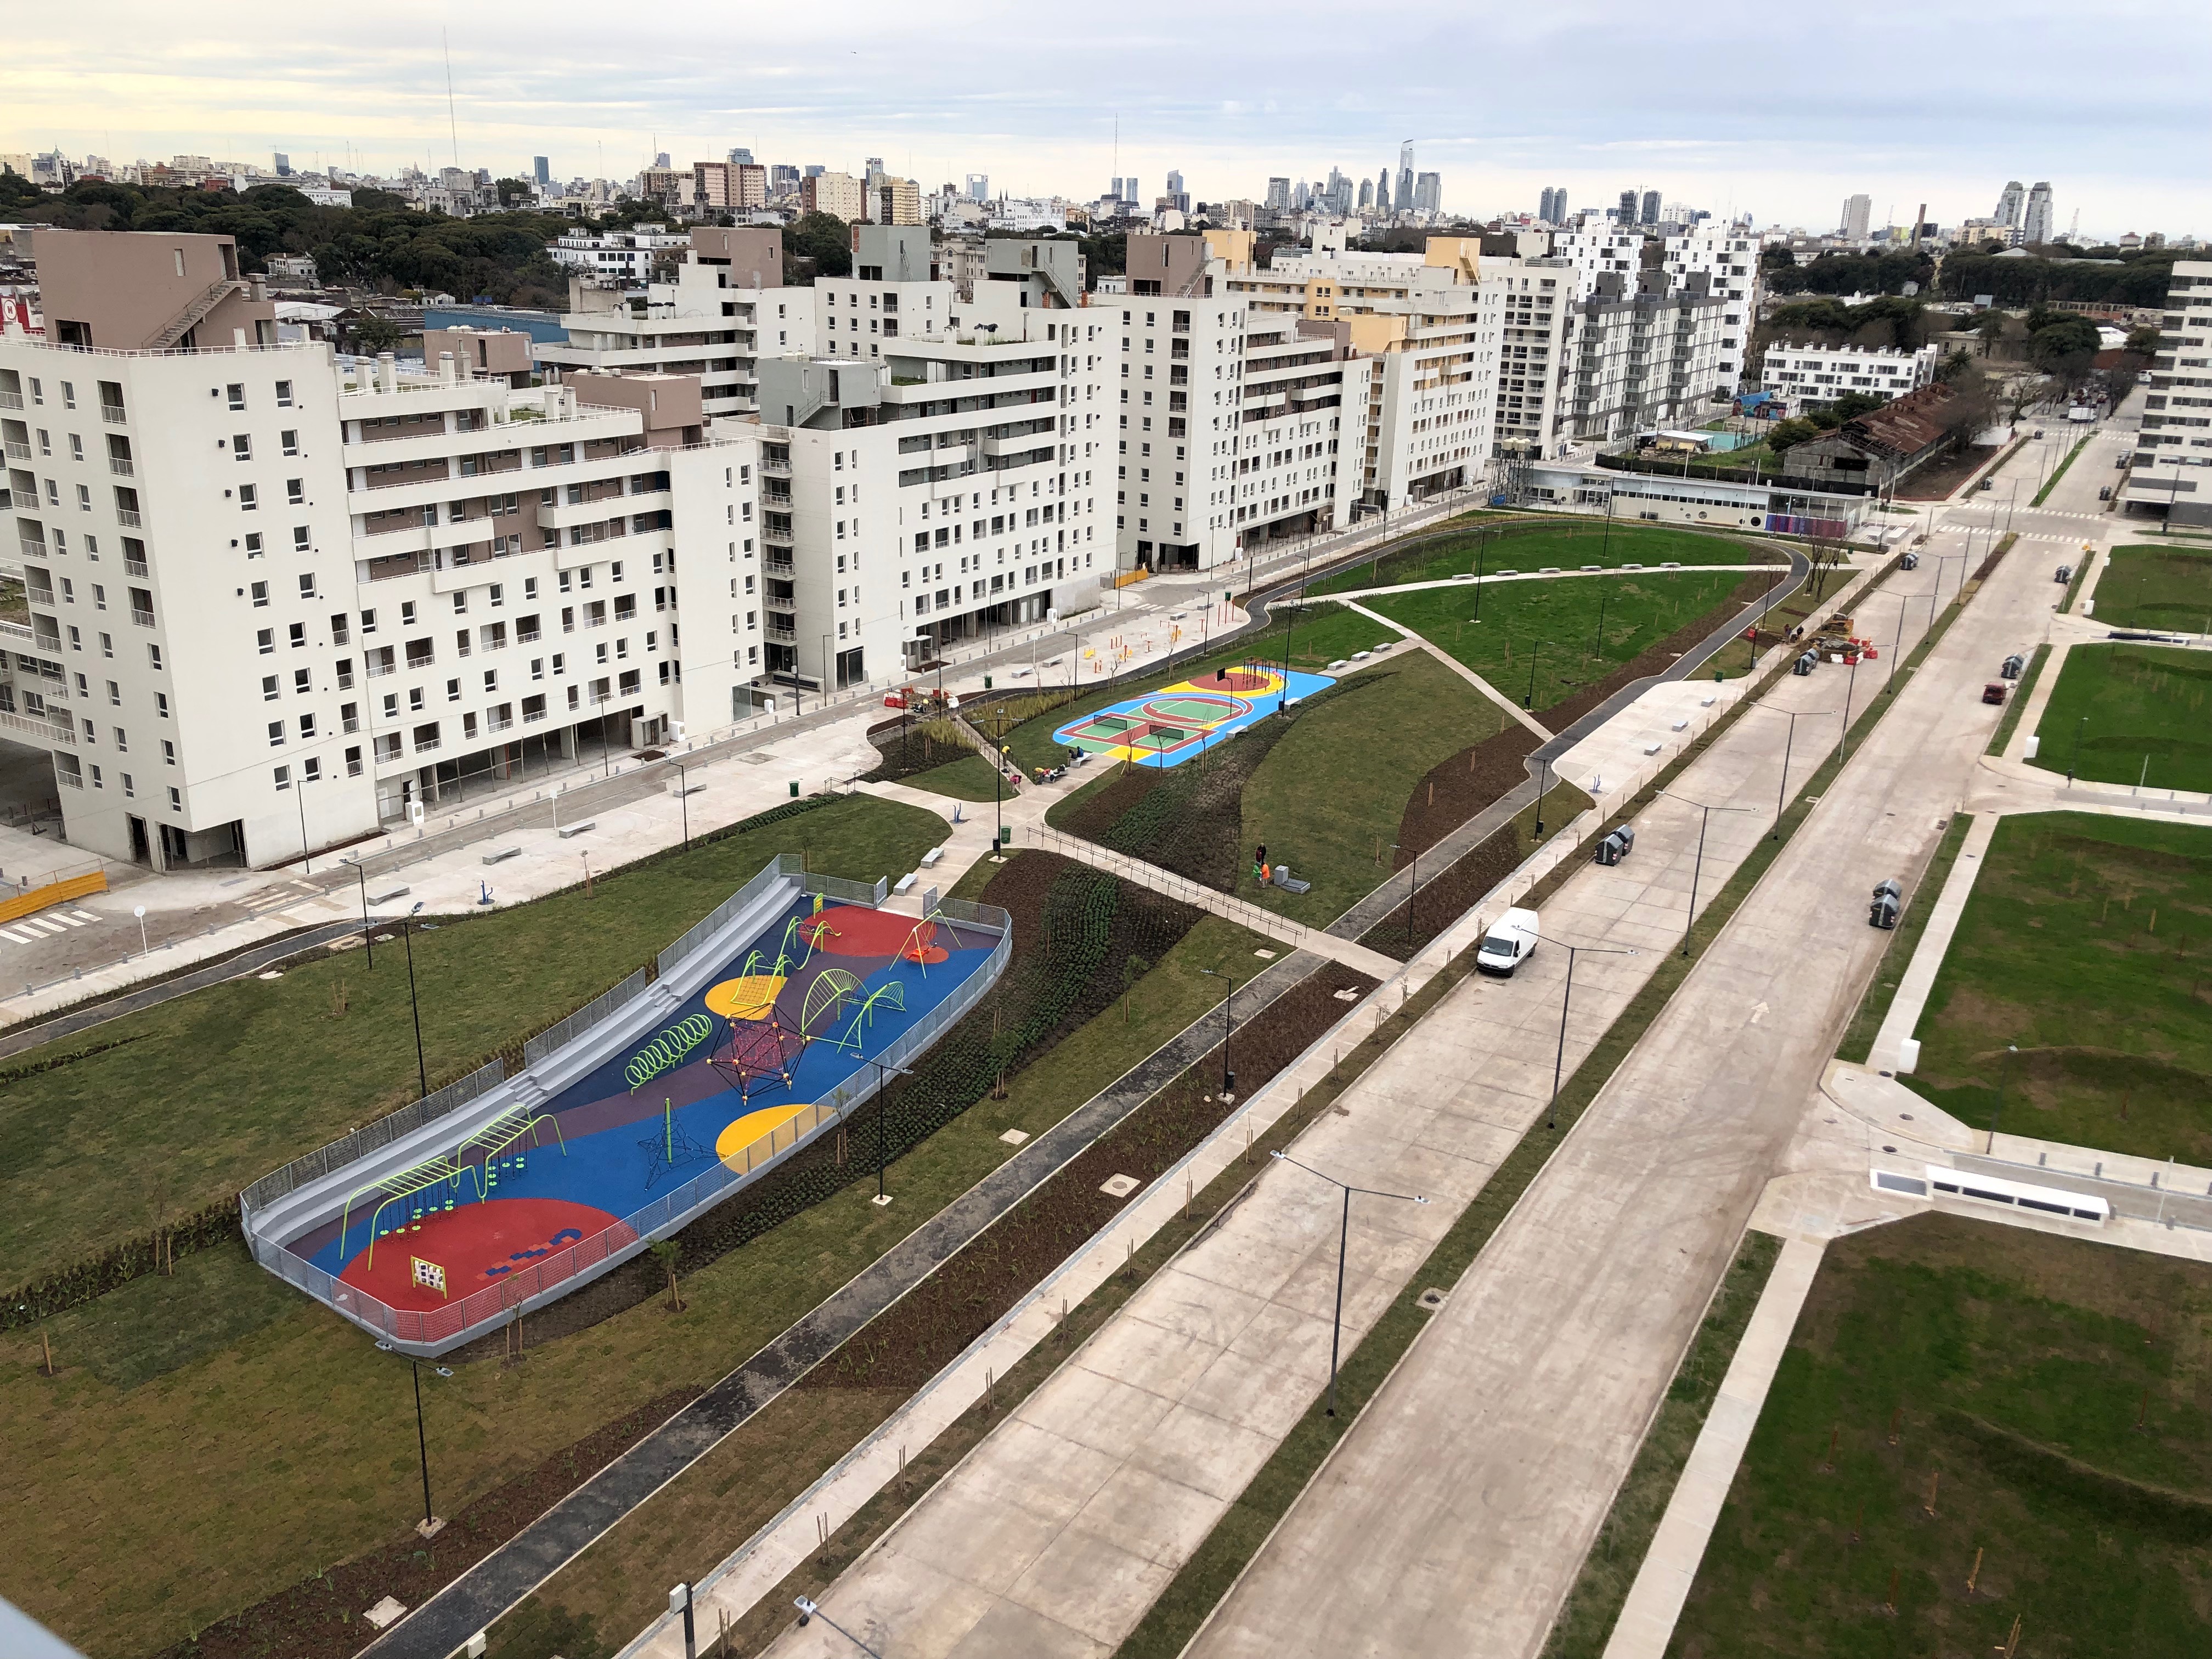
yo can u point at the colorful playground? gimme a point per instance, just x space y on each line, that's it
784 1026
1178 722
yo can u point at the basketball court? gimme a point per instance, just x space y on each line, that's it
1170 726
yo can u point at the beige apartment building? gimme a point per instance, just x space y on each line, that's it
276 601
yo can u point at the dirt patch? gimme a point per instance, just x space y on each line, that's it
912 1340
1656 659
1456 789
1940 477
1444 899
910 745
320 1617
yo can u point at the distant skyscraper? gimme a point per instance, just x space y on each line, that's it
541 169
1628 207
1428 192
1178 197
814 170
1278 195
283 164
1543 205
1858 211
2036 226
1129 190
978 187
1366 195
1405 196
1650 213
1383 191
661 160
2010 202
741 157
1114 192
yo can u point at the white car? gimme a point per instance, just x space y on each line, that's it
1510 942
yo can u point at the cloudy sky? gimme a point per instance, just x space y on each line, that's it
1779 109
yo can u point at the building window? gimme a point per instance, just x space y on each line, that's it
283 776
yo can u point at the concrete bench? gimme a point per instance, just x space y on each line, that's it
929 859
905 883
502 855
389 894
569 829
677 787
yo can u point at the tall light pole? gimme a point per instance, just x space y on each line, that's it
1559 1058
430 1521
1529 699
1343 1245
808 1609
2012 1051
407 936
299 800
1228 1077
684 799
2074 760
882 1068
1696 870
1782 789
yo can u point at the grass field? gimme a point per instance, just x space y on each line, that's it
281 1442
970 778
2132 714
1897 952
2004 1372
1539 644
183 1103
1568 543
2168 588
2087 941
2059 471
1339 782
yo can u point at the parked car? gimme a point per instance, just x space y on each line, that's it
1994 692
1510 941
2064 573
2012 667
2105 494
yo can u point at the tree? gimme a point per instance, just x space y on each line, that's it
666 1251
1784 435
1991 326
515 191
2065 346
376 333
1956 364
823 239
2143 341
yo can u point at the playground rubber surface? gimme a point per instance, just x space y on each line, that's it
787 1021
1170 726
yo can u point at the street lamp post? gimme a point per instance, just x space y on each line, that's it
1227 1027
808 1609
2012 1050
430 1521
1543 788
1413 884
1696 870
367 931
1481 546
1782 789
1343 1245
299 800
1559 1058
407 936
1528 698
883 1069
2074 759
684 799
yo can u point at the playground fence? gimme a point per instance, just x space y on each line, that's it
438 1328
312 1166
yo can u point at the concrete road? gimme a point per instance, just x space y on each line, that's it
1453 1517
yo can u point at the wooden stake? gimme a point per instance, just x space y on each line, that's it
1894 1417
990 1391
1248 1140
1829 1467
2012 1642
2142 1410
1432 801
46 1347
903 1483
1975 1574
1934 1480
1129 1258
1858 1523
1890 1606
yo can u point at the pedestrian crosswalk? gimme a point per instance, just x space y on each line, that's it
280 898
30 930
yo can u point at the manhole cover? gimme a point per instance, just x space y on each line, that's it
1119 1186
1015 1137
1431 1299
383 1612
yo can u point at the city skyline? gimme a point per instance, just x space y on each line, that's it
347 94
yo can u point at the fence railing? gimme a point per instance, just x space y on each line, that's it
370 1137
1256 917
442 1327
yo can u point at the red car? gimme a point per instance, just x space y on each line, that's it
1993 691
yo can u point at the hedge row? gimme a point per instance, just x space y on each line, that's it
133 1259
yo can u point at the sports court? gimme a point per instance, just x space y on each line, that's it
783 1023
1170 726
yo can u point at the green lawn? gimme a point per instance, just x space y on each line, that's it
2085 941
205 1094
2014 1367
1568 543
2129 714
1339 782
216 1435
2168 588
1556 624
970 778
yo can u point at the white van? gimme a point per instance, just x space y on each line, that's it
1508 943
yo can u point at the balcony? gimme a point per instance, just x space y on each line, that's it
127 517
18 452
378 670
424 748
119 467
353 725
137 568
113 414
498 725
143 618
11 400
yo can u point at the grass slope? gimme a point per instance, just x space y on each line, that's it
2085 941
2129 714
1557 622
2015 1366
214 1436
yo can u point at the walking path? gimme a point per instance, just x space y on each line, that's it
1519 714
1945 909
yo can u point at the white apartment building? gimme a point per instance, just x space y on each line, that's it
2172 467
727 308
935 469
624 259
1665 322
276 600
1434 323
1807 376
